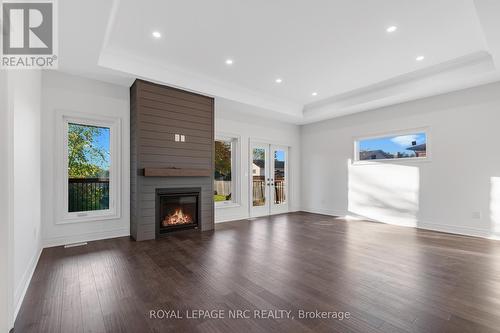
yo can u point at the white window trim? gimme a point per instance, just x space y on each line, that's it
114 124
425 130
235 170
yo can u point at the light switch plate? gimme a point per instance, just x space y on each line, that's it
183 138
177 138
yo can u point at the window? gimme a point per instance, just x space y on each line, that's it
89 165
405 146
225 181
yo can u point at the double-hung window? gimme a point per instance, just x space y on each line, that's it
90 169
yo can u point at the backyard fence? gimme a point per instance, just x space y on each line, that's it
223 187
279 190
259 190
88 194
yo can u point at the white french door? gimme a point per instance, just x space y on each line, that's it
269 179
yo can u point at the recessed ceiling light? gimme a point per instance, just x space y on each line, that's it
314 94
278 80
420 58
392 28
229 61
156 34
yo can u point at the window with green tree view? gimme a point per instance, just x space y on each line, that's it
223 182
88 158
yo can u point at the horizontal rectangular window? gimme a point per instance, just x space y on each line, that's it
406 146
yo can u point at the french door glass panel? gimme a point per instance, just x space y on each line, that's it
279 180
259 176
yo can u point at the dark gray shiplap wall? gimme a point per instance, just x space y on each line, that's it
157 113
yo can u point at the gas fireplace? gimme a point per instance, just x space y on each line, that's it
177 208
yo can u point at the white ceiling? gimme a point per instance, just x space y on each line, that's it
338 48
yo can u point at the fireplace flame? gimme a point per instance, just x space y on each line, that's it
178 217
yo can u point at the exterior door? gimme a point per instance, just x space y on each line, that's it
269 179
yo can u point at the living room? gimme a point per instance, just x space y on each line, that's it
264 166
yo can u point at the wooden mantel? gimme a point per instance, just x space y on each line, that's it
176 172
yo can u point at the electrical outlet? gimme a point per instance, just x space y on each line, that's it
476 215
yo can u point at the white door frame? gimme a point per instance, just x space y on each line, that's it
270 207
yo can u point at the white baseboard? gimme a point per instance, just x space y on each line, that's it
231 219
22 288
324 211
458 230
86 237
245 216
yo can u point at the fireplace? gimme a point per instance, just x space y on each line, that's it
176 209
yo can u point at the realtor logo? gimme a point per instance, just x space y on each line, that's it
28 35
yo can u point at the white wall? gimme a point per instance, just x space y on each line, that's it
462 177
5 220
233 118
24 90
63 92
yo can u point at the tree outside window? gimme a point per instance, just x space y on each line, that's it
88 167
222 177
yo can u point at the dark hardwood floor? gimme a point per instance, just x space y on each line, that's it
390 279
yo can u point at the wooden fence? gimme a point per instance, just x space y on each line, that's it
223 187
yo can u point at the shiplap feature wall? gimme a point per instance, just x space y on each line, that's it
157 113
